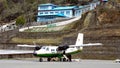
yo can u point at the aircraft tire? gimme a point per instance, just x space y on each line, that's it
69 57
40 60
49 59
64 60
60 59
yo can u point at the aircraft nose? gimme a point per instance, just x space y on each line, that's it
34 54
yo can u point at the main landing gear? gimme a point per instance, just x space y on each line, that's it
66 58
40 60
48 59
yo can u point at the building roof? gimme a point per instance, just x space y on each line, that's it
65 7
58 7
81 6
57 15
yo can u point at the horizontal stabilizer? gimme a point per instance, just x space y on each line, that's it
92 44
26 45
89 44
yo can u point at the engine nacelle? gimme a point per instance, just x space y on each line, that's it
38 47
61 48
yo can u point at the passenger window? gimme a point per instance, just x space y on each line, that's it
47 49
52 49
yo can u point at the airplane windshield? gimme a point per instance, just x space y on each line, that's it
43 47
47 49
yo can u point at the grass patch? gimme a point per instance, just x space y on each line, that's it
45 29
52 29
55 41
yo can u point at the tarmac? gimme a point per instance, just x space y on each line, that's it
8 52
12 63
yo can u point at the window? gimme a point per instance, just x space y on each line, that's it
79 11
67 12
51 12
62 12
46 12
52 49
41 12
43 47
47 49
56 12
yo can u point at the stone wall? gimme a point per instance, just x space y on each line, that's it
110 49
6 36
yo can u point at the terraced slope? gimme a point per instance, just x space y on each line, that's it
100 25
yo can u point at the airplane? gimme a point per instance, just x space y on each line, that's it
63 52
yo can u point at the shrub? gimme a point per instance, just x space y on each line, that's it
20 21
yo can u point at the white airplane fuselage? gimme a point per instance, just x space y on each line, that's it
51 51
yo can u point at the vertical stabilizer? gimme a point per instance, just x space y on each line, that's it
79 40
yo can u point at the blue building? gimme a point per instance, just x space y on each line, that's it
50 12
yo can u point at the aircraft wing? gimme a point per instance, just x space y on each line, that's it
26 45
89 44
5 52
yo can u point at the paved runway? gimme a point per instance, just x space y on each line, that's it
36 64
5 52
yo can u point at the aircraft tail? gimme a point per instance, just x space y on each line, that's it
79 40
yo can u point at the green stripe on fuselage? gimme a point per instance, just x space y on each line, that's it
56 54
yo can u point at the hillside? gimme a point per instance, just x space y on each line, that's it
104 27
11 9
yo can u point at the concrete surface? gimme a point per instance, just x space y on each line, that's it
35 64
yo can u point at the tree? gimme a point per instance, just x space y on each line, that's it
20 21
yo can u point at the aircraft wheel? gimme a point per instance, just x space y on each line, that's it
64 60
69 57
60 59
41 60
48 59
